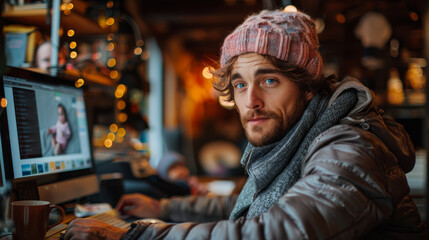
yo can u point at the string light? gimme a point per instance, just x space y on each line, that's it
110 21
122 117
111 136
113 127
70 6
108 143
114 74
73 54
121 132
3 102
290 8
340 18
111 62
70 33
139 43
110 46
79 83
414 16
63 7
119 93
207 72
138 51
121 105
73 45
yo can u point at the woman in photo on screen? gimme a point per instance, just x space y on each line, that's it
60 132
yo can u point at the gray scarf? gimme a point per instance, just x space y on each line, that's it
274 168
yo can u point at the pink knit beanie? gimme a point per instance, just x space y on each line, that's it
287 36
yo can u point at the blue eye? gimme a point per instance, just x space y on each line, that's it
239 85
270 81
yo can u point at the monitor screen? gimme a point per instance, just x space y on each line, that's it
47 129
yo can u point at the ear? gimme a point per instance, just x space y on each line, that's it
308 95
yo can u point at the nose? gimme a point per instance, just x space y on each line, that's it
254 98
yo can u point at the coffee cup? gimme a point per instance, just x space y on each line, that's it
31 219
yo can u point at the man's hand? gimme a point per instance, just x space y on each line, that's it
139 205
92 229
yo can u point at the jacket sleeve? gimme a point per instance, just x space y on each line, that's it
197 209
343 193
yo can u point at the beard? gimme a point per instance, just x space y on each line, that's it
274 129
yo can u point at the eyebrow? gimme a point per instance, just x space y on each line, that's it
258 72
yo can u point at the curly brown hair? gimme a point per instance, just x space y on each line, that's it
222 78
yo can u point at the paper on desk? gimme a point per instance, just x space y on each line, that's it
91 209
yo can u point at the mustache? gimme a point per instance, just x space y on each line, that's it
258 113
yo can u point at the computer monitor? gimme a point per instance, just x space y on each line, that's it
48 136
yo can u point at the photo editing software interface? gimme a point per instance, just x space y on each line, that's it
48 128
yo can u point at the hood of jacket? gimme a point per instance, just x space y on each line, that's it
370 117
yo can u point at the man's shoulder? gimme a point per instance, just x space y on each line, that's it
345 133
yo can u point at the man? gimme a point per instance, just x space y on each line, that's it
322 161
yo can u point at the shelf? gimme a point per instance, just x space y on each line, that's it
37 17
74 74
91 77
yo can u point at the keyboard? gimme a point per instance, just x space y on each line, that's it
110 217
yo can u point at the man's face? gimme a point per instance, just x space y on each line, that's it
268 102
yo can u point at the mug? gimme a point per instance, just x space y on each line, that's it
31 219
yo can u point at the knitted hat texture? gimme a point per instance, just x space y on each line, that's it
287 36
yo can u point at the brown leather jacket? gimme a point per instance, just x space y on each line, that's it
353 186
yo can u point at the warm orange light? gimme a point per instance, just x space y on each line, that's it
111 136
414 16
109 4
73 45
70 33
122 87
290 8
3 102
70 6
140 43
79 83
121 132
207 72
119 93
110 37
122 117
121 105
340 18
113 127
138 51
120 139
110 21
114 74
73 54
111 62
108 143
110 46
63 7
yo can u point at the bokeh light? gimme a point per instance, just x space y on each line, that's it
79 83
113 127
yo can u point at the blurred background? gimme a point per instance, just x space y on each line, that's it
145 66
